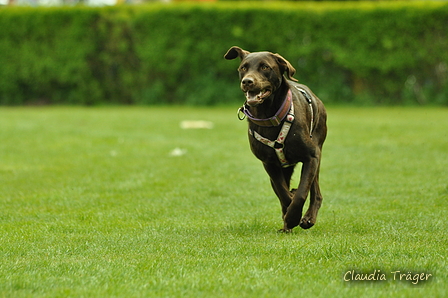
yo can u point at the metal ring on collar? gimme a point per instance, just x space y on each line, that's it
239 112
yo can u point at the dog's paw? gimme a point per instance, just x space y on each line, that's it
306 223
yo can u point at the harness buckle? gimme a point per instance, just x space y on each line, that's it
275 121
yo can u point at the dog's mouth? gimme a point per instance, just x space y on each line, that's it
253 98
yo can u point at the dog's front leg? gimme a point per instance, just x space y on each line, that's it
294 212
309 219
280 180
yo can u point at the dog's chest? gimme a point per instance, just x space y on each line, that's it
292 146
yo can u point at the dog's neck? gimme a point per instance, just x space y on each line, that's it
272 104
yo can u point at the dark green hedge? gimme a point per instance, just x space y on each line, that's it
359 52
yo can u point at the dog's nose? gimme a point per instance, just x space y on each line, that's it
247 82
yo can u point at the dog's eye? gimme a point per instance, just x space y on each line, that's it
264 67
243 68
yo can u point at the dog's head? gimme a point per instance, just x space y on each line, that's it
261 73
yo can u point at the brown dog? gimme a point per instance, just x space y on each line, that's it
287 125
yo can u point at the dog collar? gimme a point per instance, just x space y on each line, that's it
275 120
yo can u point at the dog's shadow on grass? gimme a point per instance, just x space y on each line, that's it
255 226
251 227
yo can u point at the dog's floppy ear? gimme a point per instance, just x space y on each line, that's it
285 66
234 52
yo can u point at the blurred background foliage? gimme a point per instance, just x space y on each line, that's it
365 53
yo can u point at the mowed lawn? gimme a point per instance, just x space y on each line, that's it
123 202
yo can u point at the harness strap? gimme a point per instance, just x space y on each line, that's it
278 144
308 99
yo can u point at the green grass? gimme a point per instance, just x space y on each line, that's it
94 205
